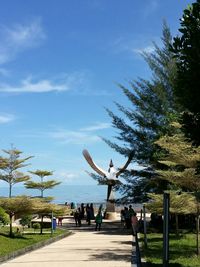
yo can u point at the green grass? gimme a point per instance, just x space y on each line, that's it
19 241
181 250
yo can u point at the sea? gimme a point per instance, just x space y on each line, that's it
65 193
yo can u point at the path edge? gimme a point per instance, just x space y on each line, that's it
30 248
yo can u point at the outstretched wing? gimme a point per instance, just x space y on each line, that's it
92 164
122 169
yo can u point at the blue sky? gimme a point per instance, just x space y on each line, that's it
60 62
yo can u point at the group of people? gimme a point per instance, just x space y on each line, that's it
87 213
129 219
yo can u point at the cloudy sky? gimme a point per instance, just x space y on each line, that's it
60 62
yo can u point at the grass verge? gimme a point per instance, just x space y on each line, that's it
20 241
181 250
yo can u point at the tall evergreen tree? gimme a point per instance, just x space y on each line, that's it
186 49
9 168
152 110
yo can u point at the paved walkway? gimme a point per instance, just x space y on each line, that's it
111 247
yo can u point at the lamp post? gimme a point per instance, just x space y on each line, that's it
145 226
166 199
52 223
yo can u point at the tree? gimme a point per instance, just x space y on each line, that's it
23 205
152 110
43 208
42 185
184 203
182 167
4 218
25 220
16 206
186 49
182 163
9 168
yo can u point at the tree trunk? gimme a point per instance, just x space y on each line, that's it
41 226
197 234
177 228
11 232
10 190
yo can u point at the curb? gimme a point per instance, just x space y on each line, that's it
136 257
30 248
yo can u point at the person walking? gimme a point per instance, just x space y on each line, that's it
77 217
134 223
98 220
127 218
82 211
88 214
92 211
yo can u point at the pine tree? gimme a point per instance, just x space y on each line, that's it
182 161
9 168
152 110
42 185
186 49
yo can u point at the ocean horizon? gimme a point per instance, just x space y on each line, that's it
65 193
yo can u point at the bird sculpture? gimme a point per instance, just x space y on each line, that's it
111 176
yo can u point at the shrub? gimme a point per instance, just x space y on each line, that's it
36 226
25 220
4 218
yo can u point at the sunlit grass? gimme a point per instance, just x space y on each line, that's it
182 250
22 240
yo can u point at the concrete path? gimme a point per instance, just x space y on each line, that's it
111 247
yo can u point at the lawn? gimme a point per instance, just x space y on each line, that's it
181 250
19 241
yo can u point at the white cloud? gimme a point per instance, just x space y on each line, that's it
64 82
147 49
77 83
82 136
74 137
28 86
135 46
73 177
97 126
86 135
6 118
18 38
65 176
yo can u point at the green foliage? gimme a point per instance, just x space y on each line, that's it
23 205
186 49
4 218
42 185
36 226
25 220
184 203
9 168
182 162
152 109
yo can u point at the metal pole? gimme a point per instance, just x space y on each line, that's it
166 230
52 223
145 226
